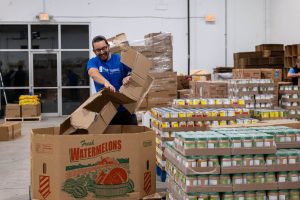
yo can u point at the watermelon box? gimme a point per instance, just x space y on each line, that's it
118 164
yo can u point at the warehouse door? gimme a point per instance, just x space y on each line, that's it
44 80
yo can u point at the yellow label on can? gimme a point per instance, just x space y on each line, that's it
175 124
182 114
203 101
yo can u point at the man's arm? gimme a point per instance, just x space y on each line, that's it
96 76
292 74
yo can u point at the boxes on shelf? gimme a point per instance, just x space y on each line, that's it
12 110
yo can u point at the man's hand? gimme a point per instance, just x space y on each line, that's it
126 80
109 86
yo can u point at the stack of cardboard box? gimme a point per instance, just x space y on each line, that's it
157 47
24 111
209 89
85 157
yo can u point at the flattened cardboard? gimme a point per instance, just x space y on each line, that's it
59 158
288 185
189 170
243 169
254 187
253 151
283 168
288 145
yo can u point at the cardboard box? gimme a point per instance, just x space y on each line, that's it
10 131
274 74
6 132
94 115
12 110
140 81
117 42
31 110
246 73
271 47
119 163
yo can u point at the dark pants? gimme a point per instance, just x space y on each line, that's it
124 118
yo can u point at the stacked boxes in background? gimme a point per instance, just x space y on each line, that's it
290 100
209 89
274 74
257 93
158 48
266 56
160 45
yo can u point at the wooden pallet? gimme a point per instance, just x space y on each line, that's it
37 118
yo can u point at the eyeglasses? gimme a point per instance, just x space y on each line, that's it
105 48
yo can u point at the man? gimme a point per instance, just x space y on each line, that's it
108 72
294 72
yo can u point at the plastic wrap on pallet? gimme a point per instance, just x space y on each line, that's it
158 48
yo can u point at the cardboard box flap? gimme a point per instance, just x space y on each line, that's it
128 56
135 60
132 107
106 96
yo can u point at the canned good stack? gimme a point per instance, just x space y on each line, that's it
268 114
257 93
174 119
290 100
197 114
285 137
209 103
232 163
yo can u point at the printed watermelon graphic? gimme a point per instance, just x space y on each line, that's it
109 180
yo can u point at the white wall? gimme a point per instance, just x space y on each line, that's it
284 21
250 22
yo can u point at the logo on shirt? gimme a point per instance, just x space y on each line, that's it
101 69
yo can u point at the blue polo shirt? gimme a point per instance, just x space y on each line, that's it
112 70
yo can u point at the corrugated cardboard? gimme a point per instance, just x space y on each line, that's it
67 166
10 131
12 110
95 113
31 110
140 81
6 132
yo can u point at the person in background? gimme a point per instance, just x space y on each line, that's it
107 71
294 72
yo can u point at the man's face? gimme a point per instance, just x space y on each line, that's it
101 49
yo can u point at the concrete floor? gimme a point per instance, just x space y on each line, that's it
15 162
